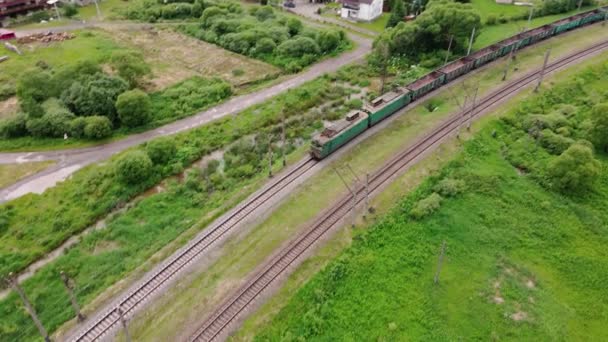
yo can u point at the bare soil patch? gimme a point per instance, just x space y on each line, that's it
175 57
8 107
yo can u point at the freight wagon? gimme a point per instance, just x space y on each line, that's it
387 104
339 133
384 106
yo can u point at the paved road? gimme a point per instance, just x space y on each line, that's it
71 160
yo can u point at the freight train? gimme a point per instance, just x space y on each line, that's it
357 121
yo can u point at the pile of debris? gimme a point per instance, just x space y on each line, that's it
45 37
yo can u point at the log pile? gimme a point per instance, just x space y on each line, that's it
45 37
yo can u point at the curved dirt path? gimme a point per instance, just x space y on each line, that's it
71 160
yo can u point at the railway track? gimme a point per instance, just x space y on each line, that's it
220 321
109 320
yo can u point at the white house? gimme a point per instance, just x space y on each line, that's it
363 10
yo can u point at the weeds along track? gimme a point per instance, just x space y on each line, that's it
226 316
104 323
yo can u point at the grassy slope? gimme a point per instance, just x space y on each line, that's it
186 303
492 34
548 266
10 173
490 7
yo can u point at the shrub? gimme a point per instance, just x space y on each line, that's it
133 108
13 127
294 26
40 16
599 126
77 127
134 167
130 66
354 104
298 47
491 20
554 143
575 170
426 206
328 41
95 95
265 45
161 150
449 187
69 10
97 127
36 85
503 19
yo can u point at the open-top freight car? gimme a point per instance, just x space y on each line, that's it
387 104
457 68
339 133
426 84
357 121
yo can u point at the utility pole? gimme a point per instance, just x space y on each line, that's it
123 321
605 18
352 193
283 144
99 10
70 288
358 181
471 41
440 263
580 4
447 55
14 283
530 17
511 59
270 159
542 71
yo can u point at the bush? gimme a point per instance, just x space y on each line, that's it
426 206
54 123
354 104
95 95
161 150
97 127
265 45
503 19
130 66
328 41
35 85
298 47
449 187
13 127
554 143
40 16
133 108
294 26
491 20
69 10
134 167
77 127
575 170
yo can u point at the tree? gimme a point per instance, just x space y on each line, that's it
95 95
575 170
294 26
599 128
380 59
134 167
161 150
13 127
133 108
433 29
97 127
328 41
36 85
130 66
397 13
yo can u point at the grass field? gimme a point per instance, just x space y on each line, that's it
492 34
525 275
10 173
180 308
175 57
491 7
